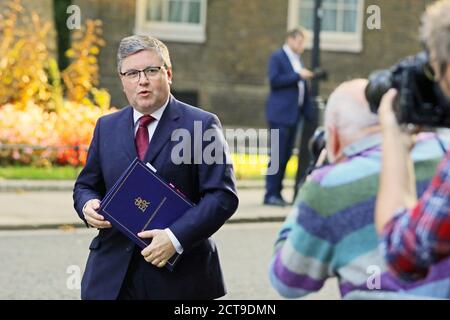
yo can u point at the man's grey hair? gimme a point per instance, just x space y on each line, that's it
435 30
294 33
133 44
348 109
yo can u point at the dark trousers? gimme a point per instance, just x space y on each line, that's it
133 287
274 183
143 281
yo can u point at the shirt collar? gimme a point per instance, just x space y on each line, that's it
157 114
289 52
370 142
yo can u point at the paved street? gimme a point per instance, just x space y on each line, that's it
25 209
43 263
39 264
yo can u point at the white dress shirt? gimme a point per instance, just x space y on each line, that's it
152 126
151 130
297 66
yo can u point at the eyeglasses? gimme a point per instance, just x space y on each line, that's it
135 75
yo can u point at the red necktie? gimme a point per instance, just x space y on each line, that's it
141 139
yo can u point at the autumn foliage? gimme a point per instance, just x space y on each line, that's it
47 116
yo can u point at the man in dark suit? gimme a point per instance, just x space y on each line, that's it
116 268
288 101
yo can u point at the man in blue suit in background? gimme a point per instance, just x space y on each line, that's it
288 101
116 268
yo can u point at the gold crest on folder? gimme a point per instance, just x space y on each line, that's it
141 204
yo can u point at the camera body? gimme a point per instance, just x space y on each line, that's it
419 101
316 144
320 74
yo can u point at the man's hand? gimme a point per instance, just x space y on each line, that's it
397 182
160 249
388 120
306 74
389 124
92 217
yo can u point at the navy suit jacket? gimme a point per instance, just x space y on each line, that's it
198 274
282 105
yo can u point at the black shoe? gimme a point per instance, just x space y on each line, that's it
275 201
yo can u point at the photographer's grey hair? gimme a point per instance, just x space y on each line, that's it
356 116
435 31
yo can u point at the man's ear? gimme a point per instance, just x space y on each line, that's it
169 75
333 143
121 82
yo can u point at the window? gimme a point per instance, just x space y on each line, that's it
342 22
172 20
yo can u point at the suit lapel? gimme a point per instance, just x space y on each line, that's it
126 126
287 62
166 125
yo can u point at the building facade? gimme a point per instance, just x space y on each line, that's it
220 48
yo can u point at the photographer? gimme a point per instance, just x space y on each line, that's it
417 236
330 232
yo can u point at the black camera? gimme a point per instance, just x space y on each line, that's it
419 100
316 144
320 74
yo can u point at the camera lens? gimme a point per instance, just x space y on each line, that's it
379 83
317 143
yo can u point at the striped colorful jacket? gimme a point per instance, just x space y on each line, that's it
331 232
